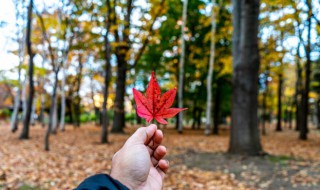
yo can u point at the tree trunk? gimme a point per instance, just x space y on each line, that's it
77 99
33 112
17 100
55 113
41 115
25 131
181 65
298 86
14 117
279 114
119 119
107 77
305 92
318 113
63 97
216 110
200 110
52 110
210 73
245 137
194 113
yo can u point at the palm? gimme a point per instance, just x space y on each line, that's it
135 155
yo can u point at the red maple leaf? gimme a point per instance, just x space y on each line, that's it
155 106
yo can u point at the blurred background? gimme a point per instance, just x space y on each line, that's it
248 72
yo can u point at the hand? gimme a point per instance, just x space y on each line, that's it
139 164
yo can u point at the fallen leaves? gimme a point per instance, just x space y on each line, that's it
197 161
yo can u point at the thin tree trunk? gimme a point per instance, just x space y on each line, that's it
41 115
24 97
298 86
305 92
181 65
107 77
33 112
200 110
210 73
245 137
216 110
55 113
14 117
318 113
52 110
17 100
63 97
279 114
25 131
78 98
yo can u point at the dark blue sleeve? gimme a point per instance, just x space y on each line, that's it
101 182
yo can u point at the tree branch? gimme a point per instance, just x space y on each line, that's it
146 41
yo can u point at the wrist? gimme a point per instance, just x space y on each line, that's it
115 175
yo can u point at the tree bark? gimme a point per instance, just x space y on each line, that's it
210 73
305 92
107 77
181 66
78 98
245 137
25 131
121 54
216 110
119 119
63 97
17 100
51 117
14 117
318 113
279 114
297 95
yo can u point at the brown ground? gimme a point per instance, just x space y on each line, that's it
197 161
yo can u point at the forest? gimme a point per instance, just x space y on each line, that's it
248 73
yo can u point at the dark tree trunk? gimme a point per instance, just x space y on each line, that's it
279 114
290 119
305 92
245 137
26 123
216 116
318 113
119 120
69 103
121 54
297 96
107 77
200 110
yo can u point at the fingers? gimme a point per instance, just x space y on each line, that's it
163 167
156 140
143 135
158 154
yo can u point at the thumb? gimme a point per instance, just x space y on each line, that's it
143 135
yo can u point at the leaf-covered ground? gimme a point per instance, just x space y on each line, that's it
197 161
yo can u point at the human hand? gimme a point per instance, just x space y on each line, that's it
139 164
